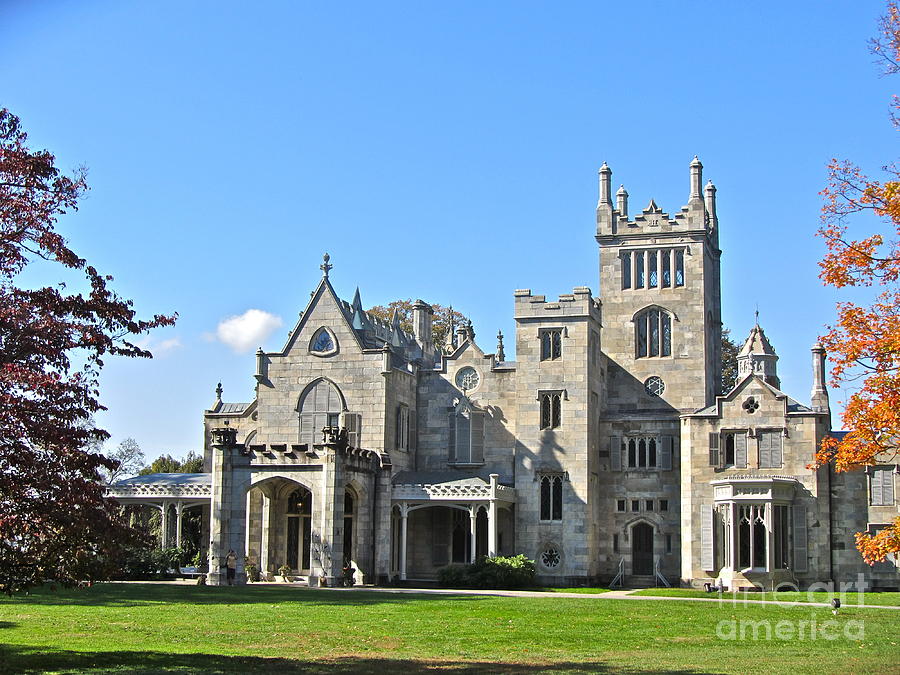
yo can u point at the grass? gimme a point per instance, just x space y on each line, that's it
148 628
849 598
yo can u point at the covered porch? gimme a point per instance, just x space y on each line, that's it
439 518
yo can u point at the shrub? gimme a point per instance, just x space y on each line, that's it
497 572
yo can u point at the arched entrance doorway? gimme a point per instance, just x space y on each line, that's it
299 530
642 549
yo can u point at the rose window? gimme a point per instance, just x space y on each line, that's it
654 386
467 378
550 558
751 405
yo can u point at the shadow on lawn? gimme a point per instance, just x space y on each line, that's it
27 660
137 595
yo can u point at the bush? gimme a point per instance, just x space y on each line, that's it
497 572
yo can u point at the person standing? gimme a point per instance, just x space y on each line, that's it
231 566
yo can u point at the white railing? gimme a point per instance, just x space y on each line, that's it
620 575
658 574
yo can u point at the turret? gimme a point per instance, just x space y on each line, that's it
423 322
622 202
758 357
819 390
696 179
605 220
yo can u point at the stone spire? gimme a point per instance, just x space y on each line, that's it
696 178
758 357
501 354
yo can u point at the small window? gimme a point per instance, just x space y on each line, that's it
666 270
551 344
668 543
882 486
635 505
649 505
639 269
323 343
652 274
615 543
626 270
663 504
551 409
620 505
551 497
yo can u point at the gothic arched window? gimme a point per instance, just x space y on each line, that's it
653 333
320 407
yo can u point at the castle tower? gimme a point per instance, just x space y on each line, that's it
659 284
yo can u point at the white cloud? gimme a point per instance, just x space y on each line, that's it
160 348
250 329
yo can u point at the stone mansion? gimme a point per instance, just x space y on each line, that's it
606 451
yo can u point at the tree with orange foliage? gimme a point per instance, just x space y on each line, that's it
864 343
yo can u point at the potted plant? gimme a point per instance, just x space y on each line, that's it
252 572
285 572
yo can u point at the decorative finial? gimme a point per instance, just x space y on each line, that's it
501 355
451 330
756 315
325 267
219 391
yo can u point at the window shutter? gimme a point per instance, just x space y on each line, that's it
714 448
887 485
764 441
451 455
799 513
353 424
665 457
740 450
463 438
706 537
615 453
775 447
306 426
877 490
477 423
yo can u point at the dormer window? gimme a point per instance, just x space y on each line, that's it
323 343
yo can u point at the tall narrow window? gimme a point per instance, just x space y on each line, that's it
653 333
666 268
639 269
551 497
551 409
466 435
551 344
626 270
679 267
402 431
652 274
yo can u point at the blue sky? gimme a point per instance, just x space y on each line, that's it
447 151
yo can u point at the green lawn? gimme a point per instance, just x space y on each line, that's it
849 598
146 628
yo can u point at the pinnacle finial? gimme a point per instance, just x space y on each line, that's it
501 354
325 266
756 315
219 391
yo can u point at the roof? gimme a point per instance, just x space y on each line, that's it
167 479
757 343
233 408
438 478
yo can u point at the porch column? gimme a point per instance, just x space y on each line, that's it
268 528
179 509
473 519
404 515
164 525
770 537
492 517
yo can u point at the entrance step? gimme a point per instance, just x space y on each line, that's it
641 581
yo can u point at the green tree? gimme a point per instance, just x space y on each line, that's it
730 350
442 318
130 459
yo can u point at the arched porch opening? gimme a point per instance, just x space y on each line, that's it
280 526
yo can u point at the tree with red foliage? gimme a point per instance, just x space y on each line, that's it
55 524
865 342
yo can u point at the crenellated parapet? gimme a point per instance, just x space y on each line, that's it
699 214
578 303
